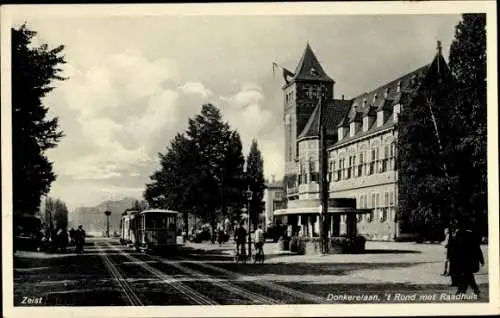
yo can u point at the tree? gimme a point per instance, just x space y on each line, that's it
55 213
34 69
174 184
467 62
218 160
139 205
426 141
256 182
443 177
201 171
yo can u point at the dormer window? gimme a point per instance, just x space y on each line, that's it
399 87
364 102
375 98
313 71
386 92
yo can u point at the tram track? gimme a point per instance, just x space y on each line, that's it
267 285
127 290
252 296
193 295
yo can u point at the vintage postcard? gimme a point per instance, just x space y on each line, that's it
285 159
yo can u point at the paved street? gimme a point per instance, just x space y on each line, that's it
205 274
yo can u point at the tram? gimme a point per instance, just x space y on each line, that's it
157 230
128 227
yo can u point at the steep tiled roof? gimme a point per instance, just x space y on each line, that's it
373 129
309 67
335 110
408 82
385 96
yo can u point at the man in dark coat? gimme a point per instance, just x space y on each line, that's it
468 257
240 237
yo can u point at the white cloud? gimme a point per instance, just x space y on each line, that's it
245 112
196 88
124 96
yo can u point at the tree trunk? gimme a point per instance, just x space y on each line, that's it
212 223
185 216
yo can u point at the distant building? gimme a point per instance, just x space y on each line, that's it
362 139
274 199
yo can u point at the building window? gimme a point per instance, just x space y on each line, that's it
349 168
385 160
360 165
314 177
277 195
392 157
383 215
391 199
372 163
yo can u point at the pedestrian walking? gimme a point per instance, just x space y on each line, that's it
240 237
79 239
72 236
467 258
220 233
446 242
63 239
259 240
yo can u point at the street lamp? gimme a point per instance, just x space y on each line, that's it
107 213
249 198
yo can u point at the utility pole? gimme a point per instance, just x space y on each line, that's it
323 171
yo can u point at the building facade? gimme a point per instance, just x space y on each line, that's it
274 199
362 144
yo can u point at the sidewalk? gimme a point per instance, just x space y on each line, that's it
383 262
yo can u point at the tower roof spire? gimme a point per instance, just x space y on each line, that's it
309 67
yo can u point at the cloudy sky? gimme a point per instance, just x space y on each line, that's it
135 81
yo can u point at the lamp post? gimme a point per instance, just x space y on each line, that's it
107 213
249 198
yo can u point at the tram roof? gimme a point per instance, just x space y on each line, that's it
159 211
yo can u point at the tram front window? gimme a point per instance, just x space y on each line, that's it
160 221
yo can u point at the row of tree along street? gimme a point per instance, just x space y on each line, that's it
203 171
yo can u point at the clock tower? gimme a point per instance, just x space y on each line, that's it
301 95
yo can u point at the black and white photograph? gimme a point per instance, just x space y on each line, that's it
188 158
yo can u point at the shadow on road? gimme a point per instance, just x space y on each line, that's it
318 269
387 251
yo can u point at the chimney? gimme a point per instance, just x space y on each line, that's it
342 96
273 178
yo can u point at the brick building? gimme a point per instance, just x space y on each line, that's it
362 141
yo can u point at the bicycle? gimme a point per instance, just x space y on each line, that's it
258 255
240 257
